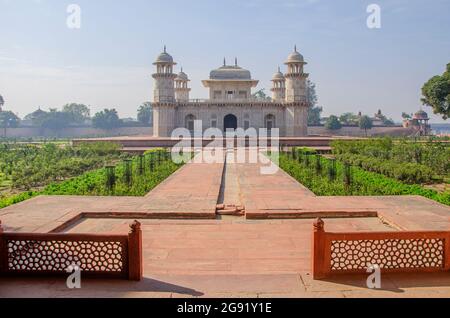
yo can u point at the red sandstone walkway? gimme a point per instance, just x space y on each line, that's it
227 246
269 192
230 256
192 191
280 196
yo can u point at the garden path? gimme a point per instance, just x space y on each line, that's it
228 256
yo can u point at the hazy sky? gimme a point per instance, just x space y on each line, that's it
108 62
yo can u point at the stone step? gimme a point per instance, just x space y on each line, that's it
229 209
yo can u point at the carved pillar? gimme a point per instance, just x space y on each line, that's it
447 252
3 252
135 261
318 250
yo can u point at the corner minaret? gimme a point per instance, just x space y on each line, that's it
164 96
295 78
181 87
164 90
296 101
279 87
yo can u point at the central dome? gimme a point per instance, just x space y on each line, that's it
228 72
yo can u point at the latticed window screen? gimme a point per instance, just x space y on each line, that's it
90 256
388 254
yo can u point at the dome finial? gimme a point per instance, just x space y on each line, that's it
235 61
279 69
165 49
224 61
295 48
182 69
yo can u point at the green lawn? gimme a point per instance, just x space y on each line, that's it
134 176
319 175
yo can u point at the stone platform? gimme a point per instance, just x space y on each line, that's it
189 251
142 143
231 257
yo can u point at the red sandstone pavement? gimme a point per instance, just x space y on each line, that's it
229 256
150 137
280 196
232 257
228 246
192 191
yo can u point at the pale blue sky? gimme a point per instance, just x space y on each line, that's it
108 62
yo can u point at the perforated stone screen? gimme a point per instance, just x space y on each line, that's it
388 254
58 255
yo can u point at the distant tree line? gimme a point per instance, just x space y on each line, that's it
364 122
73 114
314 111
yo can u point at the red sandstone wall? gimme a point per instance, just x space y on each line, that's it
357 132
75 132
84 132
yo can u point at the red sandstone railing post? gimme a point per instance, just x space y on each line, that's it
135 261
318 249
3 252
447 252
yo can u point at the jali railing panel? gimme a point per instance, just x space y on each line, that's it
337 253
109 256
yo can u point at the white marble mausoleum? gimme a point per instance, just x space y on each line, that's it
231 104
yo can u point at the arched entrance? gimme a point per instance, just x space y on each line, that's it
189 122
230 122
269 122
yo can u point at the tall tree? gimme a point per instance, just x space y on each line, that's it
406 116
314 115
8 120
78 113
314 111
311 93
261 94
333 123
349 119
54 120
106 119
145 114
388 122
34 116
365 123
436 93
